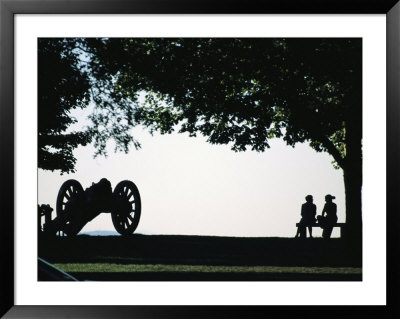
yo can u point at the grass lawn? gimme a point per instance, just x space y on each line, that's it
193 258
103 267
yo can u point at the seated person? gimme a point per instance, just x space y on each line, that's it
327 222
308 212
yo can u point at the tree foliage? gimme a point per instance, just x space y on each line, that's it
68 79
62 86
242 91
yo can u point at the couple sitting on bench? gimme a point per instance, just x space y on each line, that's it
326 220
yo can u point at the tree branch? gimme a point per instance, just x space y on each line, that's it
333 151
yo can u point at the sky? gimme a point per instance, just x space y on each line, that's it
190 187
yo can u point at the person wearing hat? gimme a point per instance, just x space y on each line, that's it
308 212
330 219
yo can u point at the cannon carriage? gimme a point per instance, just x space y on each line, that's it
76 207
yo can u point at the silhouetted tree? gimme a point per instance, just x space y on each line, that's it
246 91
67 80
62 86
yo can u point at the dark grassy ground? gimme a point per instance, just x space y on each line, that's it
104 258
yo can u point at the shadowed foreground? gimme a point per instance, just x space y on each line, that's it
191 258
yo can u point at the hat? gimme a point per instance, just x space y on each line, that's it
330 196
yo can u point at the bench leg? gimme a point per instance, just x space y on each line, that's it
342 231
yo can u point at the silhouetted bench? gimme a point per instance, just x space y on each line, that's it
340 225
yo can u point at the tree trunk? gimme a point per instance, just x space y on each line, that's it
352 173
352 169
353 184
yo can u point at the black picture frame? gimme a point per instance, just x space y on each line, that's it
9 8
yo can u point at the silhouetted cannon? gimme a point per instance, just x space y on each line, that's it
76 207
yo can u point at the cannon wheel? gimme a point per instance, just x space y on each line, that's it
127 207
69 200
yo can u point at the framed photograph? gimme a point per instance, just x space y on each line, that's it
193 152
